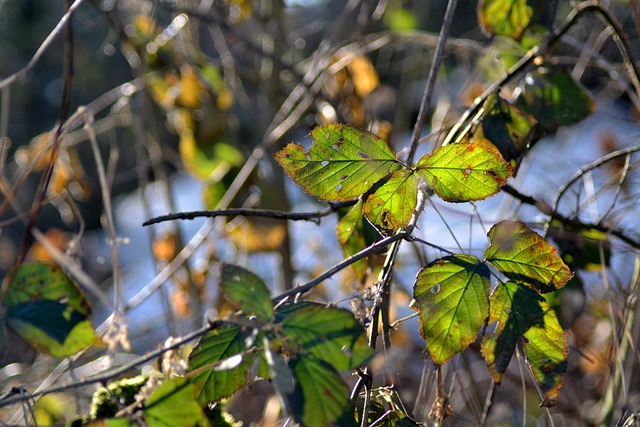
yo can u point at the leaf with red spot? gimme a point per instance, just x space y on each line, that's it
523 315
464 172
393 204
524 256
343 162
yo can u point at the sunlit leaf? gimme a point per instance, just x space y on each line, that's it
351 236
174 403
48 310
507 127
504 17
246 291
331 334
523 255
452 297
320 397
217 345
554 98
107 422
464 172
522 314
585 249
342 163
392 205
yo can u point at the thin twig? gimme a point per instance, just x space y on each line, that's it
264 213
431 80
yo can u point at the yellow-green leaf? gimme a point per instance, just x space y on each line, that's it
504 17
393 204
352 239
524 256
523 314
452 297
464 172
343 162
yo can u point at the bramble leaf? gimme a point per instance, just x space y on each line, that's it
343 162
393 204
554 98
246 291
504 17
48 311
352 239
214 347
331 334
174 403
464 172
452 297
320 396
507 127
524 256
522 313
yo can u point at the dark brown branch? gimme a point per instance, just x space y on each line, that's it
571 222
264 213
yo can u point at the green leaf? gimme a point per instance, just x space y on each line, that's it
320 396
51 327
331 334
392 205
504 17
351 236
507 127
246 291
174 403
452 297
523 255
48 311
38 281
554 98
214 347
343 162
521 313
464 172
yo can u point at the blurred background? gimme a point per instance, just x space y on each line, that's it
188 100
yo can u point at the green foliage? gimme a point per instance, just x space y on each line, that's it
48 310
524 256
464 172
246 291
524 317
452 297
174 403
107 401
342 163
224 343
